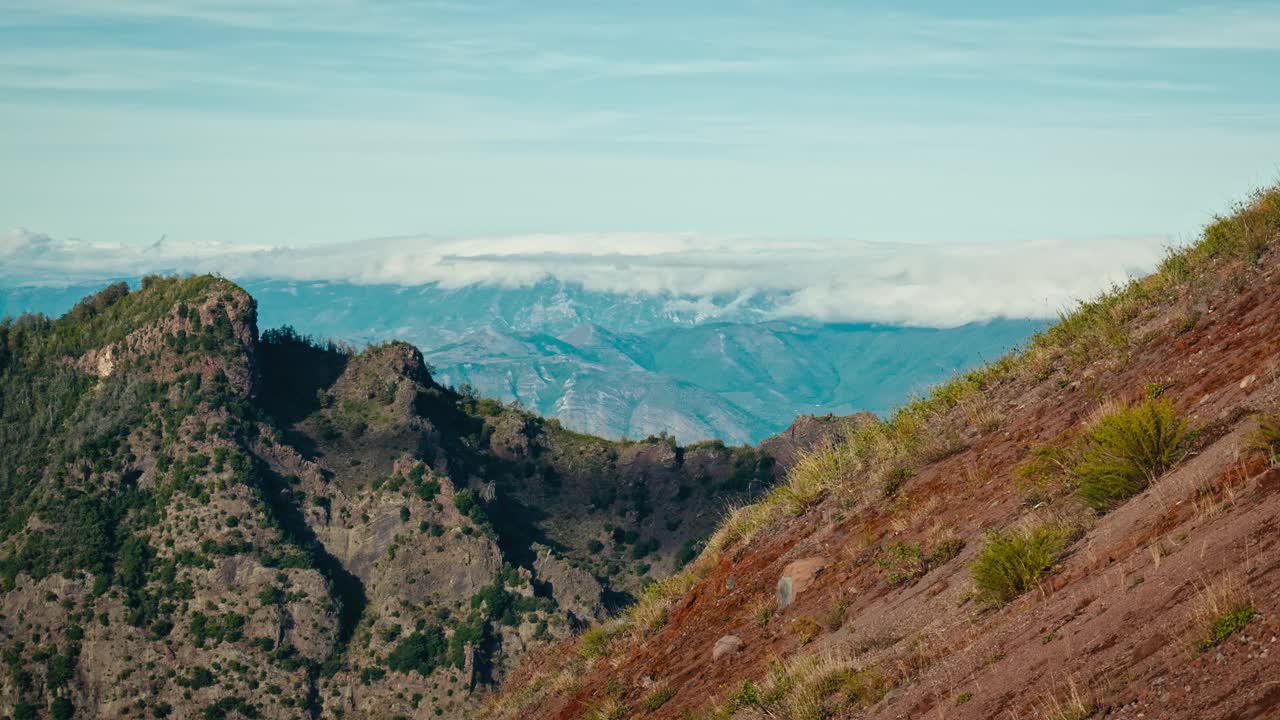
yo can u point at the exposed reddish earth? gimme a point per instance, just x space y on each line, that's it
1112 619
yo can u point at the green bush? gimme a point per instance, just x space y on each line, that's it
421 651
1013 561
62 709
1128 450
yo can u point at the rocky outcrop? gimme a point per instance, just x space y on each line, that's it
575 590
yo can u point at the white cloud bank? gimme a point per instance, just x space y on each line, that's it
940 285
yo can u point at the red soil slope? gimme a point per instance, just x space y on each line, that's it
1113 623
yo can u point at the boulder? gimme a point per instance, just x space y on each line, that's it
797 576
726 645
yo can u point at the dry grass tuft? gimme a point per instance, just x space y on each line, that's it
740 526
813 687
1071 704
596 640
541 687
609 708
814 475
1220 609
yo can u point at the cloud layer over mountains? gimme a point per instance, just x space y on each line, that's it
937 285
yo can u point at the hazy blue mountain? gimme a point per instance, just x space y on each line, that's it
624 365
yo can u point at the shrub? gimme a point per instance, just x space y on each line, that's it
1266 438
62 709
1128 450
419 652
1013 561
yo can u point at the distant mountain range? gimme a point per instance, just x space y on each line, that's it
622 365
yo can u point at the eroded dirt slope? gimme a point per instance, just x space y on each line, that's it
1110 630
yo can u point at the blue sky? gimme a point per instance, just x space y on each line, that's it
290 122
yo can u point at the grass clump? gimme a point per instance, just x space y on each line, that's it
905 561
607 709
1013 561
765 609
812 477
649 614
1073 704
1129 449
1246 233
1220 610
740 525
594 642
657 699
814 687
1226 625
1046 472
1265 439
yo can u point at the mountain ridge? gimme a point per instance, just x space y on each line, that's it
527 344
201 519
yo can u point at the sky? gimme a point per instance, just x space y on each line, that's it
753 124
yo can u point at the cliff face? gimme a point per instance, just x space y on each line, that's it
1083 529
201 522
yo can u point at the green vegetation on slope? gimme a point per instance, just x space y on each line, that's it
1012 562
1128 450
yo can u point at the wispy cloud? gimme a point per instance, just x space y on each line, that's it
877 282
480 39
315 120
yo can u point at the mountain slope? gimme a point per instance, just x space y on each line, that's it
199 521
620 365
1083 529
